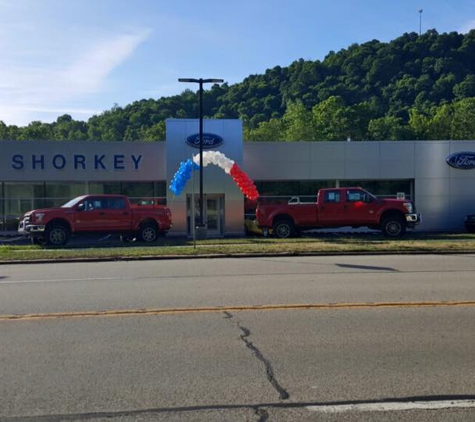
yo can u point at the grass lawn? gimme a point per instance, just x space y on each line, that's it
320 243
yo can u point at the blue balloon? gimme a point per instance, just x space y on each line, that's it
182 176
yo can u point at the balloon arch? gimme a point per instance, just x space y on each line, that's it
242 180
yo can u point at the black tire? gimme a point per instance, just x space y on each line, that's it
148 233
57 235
283 229
393 227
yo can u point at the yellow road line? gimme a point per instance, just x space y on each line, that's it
171 311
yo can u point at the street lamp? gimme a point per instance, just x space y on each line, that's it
201 232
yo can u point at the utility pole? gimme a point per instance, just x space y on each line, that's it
201 229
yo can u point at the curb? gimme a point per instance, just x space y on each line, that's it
236 256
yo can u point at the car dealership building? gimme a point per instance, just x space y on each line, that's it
438 175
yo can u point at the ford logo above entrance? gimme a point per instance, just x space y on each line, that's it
462 160
210 140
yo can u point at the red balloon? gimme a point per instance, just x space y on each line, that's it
244 182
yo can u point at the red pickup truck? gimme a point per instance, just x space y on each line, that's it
95 214
338 207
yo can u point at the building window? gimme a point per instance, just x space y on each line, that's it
136 190
57 194
22 197
99 188
293 187
382 188
130 189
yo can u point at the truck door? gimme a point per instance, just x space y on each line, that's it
90 215
103 214
330 208
117 213
359 207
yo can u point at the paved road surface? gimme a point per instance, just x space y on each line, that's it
282 363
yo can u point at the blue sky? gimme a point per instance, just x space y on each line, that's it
80 57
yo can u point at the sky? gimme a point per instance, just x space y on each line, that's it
82 57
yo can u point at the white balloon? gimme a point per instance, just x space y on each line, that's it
215 157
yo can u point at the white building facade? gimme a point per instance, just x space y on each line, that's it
438 175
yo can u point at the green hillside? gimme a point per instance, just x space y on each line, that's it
414 87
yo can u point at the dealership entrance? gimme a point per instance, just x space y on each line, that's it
213 209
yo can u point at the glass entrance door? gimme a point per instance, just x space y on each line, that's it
213 216
213 211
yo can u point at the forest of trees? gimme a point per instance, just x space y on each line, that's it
413 88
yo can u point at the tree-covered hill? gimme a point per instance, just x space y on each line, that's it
414 87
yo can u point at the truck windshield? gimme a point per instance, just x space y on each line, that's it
72 202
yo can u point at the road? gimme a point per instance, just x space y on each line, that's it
356 338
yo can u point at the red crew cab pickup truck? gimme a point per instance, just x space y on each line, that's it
338 207
95 214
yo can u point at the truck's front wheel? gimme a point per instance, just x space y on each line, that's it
283 229
57 235
393 227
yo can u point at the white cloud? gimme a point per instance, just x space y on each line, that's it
89 71
467 26
44 86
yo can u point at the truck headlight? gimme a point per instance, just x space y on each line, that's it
39 217
409 207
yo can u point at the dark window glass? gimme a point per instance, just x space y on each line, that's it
105 187
332 196
134 190
353 195
292 188
160 189
22 197
311 187
64 190
388 188
95 204
116 203
137 189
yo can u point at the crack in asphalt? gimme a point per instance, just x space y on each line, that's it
262 414
257 407
283 394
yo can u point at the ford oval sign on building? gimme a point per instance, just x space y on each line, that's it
210 140
462 160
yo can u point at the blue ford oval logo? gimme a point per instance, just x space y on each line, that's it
462 160
210 140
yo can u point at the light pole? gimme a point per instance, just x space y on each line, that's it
201 232
420 21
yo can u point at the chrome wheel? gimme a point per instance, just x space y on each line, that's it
57 236
149 234
283 229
